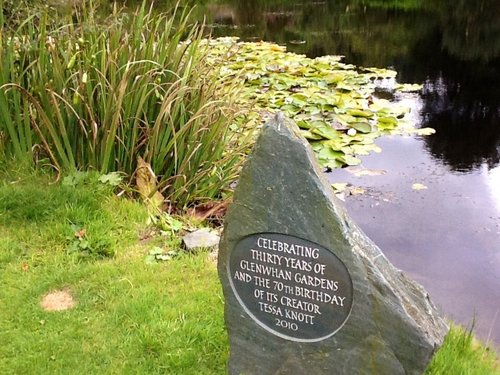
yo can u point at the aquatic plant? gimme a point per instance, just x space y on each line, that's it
338 106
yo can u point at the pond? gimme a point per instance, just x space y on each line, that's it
444 231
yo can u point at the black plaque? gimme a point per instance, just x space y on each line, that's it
292 287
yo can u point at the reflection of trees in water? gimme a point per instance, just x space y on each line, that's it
471 29
462 102
468 127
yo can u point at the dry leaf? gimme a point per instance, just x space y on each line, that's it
418 186
210 209
145 180
339 187
356 191
80 234
360 171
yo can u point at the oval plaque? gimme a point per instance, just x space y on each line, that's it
294 288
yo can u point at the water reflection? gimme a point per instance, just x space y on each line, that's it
471 30
467 123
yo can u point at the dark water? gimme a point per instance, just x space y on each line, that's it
447 236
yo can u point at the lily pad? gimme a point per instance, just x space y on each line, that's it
362 127
334 103
418 186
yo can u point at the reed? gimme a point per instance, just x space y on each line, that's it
96 95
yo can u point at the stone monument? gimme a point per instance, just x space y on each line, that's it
306 292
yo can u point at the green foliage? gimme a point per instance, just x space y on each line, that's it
157 254
98 95
461 354
334 103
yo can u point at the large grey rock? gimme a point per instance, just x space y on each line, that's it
386 323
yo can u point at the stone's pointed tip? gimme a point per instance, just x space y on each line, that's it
279 117
284 125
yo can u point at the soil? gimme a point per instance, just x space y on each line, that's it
58 300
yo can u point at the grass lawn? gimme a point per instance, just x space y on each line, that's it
130 316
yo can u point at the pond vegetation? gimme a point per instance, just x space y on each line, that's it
336 104
98 95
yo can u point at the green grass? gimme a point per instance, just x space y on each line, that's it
462 354
131 317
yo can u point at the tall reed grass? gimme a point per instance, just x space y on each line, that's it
91 95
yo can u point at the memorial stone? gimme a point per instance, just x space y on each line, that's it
306 292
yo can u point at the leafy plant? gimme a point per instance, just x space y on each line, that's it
334 103
112 178
158 254
87 246
93 95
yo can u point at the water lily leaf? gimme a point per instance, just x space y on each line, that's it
359 113
327 153
388 120
424 131
312 110
310 135
382 73
363 149
275 68
418 186
327 98
345 119
339 186
334 78
350 160
387 123
362 127
326 131
299 99
289 109
318 146
408 87
331 163
380 106
303 124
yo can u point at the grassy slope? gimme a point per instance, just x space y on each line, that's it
131 317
